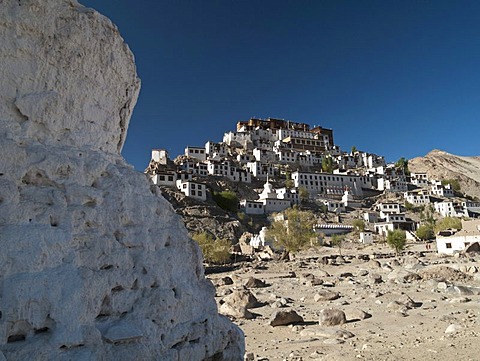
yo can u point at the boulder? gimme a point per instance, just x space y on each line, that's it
326 295
283 318
92 255
255 283
331 317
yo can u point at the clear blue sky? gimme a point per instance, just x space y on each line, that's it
395 78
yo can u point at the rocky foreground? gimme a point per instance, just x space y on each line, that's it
366 305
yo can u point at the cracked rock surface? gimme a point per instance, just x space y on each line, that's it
94 263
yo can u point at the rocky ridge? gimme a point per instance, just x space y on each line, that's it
95 264
442 165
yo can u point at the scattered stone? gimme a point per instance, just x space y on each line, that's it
375 278
460 300
402 276
281 302
362 273
237 304
249 357
255 283
358 314
326 332
442 286
331 317
374 263
453 328
326 295
463 290
283 318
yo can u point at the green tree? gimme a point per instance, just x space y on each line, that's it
425 232
226 200
358 225
447 223
397 239
354 149
303 194
288 180
409 206
454 183
295 233
402 163
327 164
337 241
213 250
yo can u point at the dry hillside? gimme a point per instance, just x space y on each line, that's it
442 165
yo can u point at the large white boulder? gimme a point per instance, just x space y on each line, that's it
94 263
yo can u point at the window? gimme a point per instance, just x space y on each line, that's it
448 245
200 194
193 186
162 177
192 192
170 178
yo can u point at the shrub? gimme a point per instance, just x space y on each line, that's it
454 183
226 200
303 194
425 232
358 225
214 250
337 241
295 233
397 239
448 222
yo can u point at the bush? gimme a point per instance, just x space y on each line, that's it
454 183
358 225
448 222
397 239
295 233
425 232
214 250
227 200
303 194
337 241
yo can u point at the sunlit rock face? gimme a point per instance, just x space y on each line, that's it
94 264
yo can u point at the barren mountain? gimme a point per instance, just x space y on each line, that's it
442 165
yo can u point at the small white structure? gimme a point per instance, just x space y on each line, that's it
165 178
196 152
419 179
348 201
193 189
258 240
449 209
160 156
387 207
440 190
366 237
370 217
451 241
261 170
333 205
252 207
270 199
418 197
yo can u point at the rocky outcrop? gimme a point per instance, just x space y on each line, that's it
94 263
441 165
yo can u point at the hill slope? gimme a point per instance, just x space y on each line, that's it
442 165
